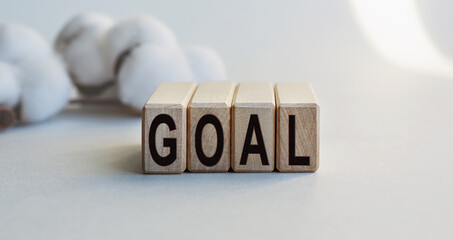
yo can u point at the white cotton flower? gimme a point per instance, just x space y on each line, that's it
79 43
9 86
45 87
205 64
18 42
145 68
134 32
130 58
31 77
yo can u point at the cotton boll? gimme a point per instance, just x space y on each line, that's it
206 64
30 76
18 42
145 68
134 32
9 86
45 88
79 44
89 23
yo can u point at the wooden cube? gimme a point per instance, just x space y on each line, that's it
297 127
164 128
253 129
209 131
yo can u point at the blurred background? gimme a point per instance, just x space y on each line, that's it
271 41
382 71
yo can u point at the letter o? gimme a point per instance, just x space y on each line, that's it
205 160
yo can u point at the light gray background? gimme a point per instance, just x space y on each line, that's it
386 137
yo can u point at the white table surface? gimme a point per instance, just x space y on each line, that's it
386 171
386 158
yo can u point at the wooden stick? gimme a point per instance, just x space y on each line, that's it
7 117
96 101
92 90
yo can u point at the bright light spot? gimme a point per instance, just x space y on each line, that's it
396 31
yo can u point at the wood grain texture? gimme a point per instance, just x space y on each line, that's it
297 146
210 125
166 109
254 103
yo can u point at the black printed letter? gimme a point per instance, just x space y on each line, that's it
209 119
254 124
293 159
168 142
